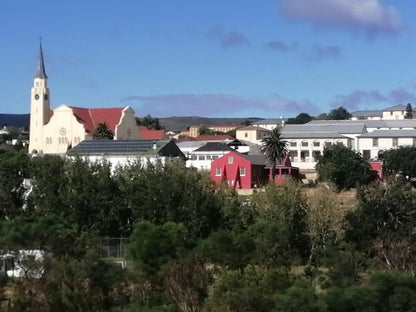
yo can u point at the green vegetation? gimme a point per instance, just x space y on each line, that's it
343 167
192 248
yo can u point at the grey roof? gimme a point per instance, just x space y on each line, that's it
390 134
126 147
353 128
314 135
399 123
40 73
399 107
214 147
252 128
367 113
271 121
255 159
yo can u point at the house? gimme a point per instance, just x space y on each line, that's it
372 143
202 157
239 170
193 131
270 124
396 112
121 152
252 134
282 172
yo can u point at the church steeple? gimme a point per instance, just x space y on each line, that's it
40 73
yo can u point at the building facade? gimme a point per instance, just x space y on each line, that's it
56 131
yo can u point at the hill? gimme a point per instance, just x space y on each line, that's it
176 123
16 120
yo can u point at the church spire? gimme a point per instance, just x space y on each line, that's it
40 73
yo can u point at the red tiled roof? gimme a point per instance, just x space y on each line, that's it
91 117
148 134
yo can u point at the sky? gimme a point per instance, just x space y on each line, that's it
211 58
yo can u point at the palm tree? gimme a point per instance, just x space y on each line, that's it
102 132
274 147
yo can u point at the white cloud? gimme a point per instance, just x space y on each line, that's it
370 16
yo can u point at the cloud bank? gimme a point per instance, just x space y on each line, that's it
369 16
359 98
215 105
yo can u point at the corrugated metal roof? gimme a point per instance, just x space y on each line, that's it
117 147
400 123
255 159
390 134
353 128
315 135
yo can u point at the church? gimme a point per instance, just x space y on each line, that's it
55 131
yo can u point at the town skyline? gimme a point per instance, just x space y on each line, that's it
245 59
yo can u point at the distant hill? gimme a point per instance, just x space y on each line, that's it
180 123
16 120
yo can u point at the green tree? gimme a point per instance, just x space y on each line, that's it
400 161
274 146
384 212
102 132
287 206
150 122
204 130
339 113
343 167
152 246
409 111
302 118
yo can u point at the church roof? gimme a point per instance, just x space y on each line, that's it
148 134
91 117
40 72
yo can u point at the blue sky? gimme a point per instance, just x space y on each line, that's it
216 58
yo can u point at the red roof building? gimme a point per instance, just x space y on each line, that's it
147 134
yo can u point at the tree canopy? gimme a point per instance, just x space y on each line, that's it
302 118
339 113
343 167
274 146
152 123
102 132
400 161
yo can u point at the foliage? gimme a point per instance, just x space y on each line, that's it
274 146
343 167
339 113
325 218
409 111
400 161
149 122
152 246
250 289
287 206
302 118
204 130
102 132
385 211
13 169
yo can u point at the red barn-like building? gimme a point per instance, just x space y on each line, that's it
239 170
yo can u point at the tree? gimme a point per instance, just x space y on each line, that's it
302 118
150 122
343 167
204 130
400 161
102 132
274 146
339 113
409 111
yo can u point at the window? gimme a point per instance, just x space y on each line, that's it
230 160
395 141
366 154
242 171
193 157
218 172
245 134
316 143
375 142
293 144
328 144
201 157
304 143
